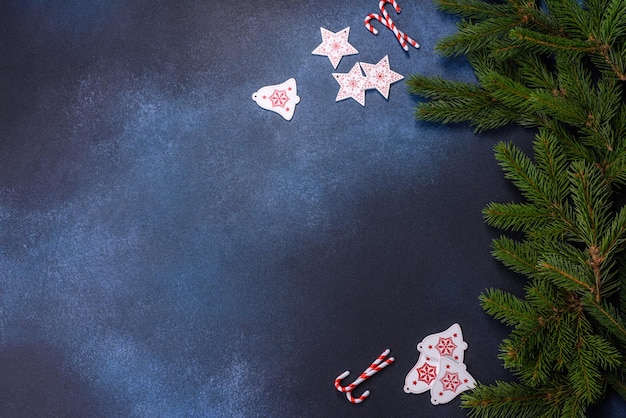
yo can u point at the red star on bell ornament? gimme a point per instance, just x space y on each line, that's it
427 373
446 346
279 98
450 381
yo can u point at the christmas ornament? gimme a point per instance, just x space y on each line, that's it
440 367
448 343
385 19
377 76
452 379
422 375
380 76
280 98
352 85
335 45
375 367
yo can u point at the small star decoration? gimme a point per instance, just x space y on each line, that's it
380 76
377 76
335 45
351 85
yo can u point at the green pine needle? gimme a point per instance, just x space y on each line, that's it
557 66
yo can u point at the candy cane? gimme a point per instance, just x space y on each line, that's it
369 17
386 20
394 3
400 36
375 367
369 26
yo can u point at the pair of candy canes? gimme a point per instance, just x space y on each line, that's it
402 37
375 367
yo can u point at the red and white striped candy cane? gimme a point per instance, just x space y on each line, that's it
394 3
386 20
369 26
402 37
360 399
375 367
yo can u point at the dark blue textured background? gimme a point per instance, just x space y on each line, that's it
168 248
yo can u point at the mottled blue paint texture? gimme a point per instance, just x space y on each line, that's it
168 248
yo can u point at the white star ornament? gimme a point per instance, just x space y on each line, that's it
351 85
380 76
335 45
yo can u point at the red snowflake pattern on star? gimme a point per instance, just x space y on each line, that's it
380 76
446 346
351 85
335 45
427 373
279 98
450 381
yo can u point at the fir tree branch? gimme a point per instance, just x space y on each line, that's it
510 93
603 351
607 315
613 23
474 9
583 372
566 274
614 61
560 68
574 21
617 381
520 170
574 149
573 407
590 195
564 343
535 73
439 88
614 235
476 36
524 217
519 257
506 307
448 111
534 186
538 371
552 160
527 342
543 43
559 108
543 295
515 400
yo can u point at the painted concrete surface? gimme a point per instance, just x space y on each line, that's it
168 248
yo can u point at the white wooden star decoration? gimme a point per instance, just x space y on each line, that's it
377 76
351 85
335 45
380 76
